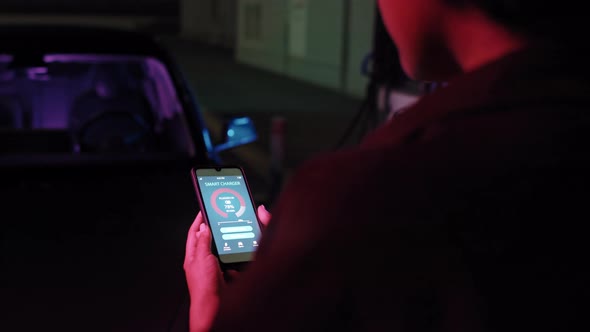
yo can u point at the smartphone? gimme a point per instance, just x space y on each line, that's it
227 207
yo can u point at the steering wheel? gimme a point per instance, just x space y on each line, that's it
114 130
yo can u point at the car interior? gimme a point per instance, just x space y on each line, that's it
77 106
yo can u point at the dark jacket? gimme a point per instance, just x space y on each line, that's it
465 213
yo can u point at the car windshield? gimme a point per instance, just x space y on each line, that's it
84 105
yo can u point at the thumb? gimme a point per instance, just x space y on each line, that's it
264 215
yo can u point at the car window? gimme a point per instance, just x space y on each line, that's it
85 104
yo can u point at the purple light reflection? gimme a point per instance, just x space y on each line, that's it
38 70
53 95
6 58
90 58
38 74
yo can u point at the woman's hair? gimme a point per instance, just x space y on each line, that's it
543 19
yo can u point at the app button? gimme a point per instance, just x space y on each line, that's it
226 247
240 244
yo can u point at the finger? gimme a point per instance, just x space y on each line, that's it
203 242
191 238
264 215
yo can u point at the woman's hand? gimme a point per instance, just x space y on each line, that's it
203 273
203 276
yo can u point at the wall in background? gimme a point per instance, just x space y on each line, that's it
315 41
210 21
261 34
319 41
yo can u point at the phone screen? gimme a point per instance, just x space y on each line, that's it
230 212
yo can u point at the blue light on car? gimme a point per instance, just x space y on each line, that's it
241 121
207 139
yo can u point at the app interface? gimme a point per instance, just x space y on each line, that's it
230 213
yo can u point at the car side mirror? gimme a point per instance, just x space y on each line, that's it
238 132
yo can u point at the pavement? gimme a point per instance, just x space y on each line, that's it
316 117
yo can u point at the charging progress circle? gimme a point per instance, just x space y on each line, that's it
228 206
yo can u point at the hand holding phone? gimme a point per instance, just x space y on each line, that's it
228 209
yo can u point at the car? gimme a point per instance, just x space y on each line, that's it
98 90
98 132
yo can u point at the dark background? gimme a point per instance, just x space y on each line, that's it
107 7
102 250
